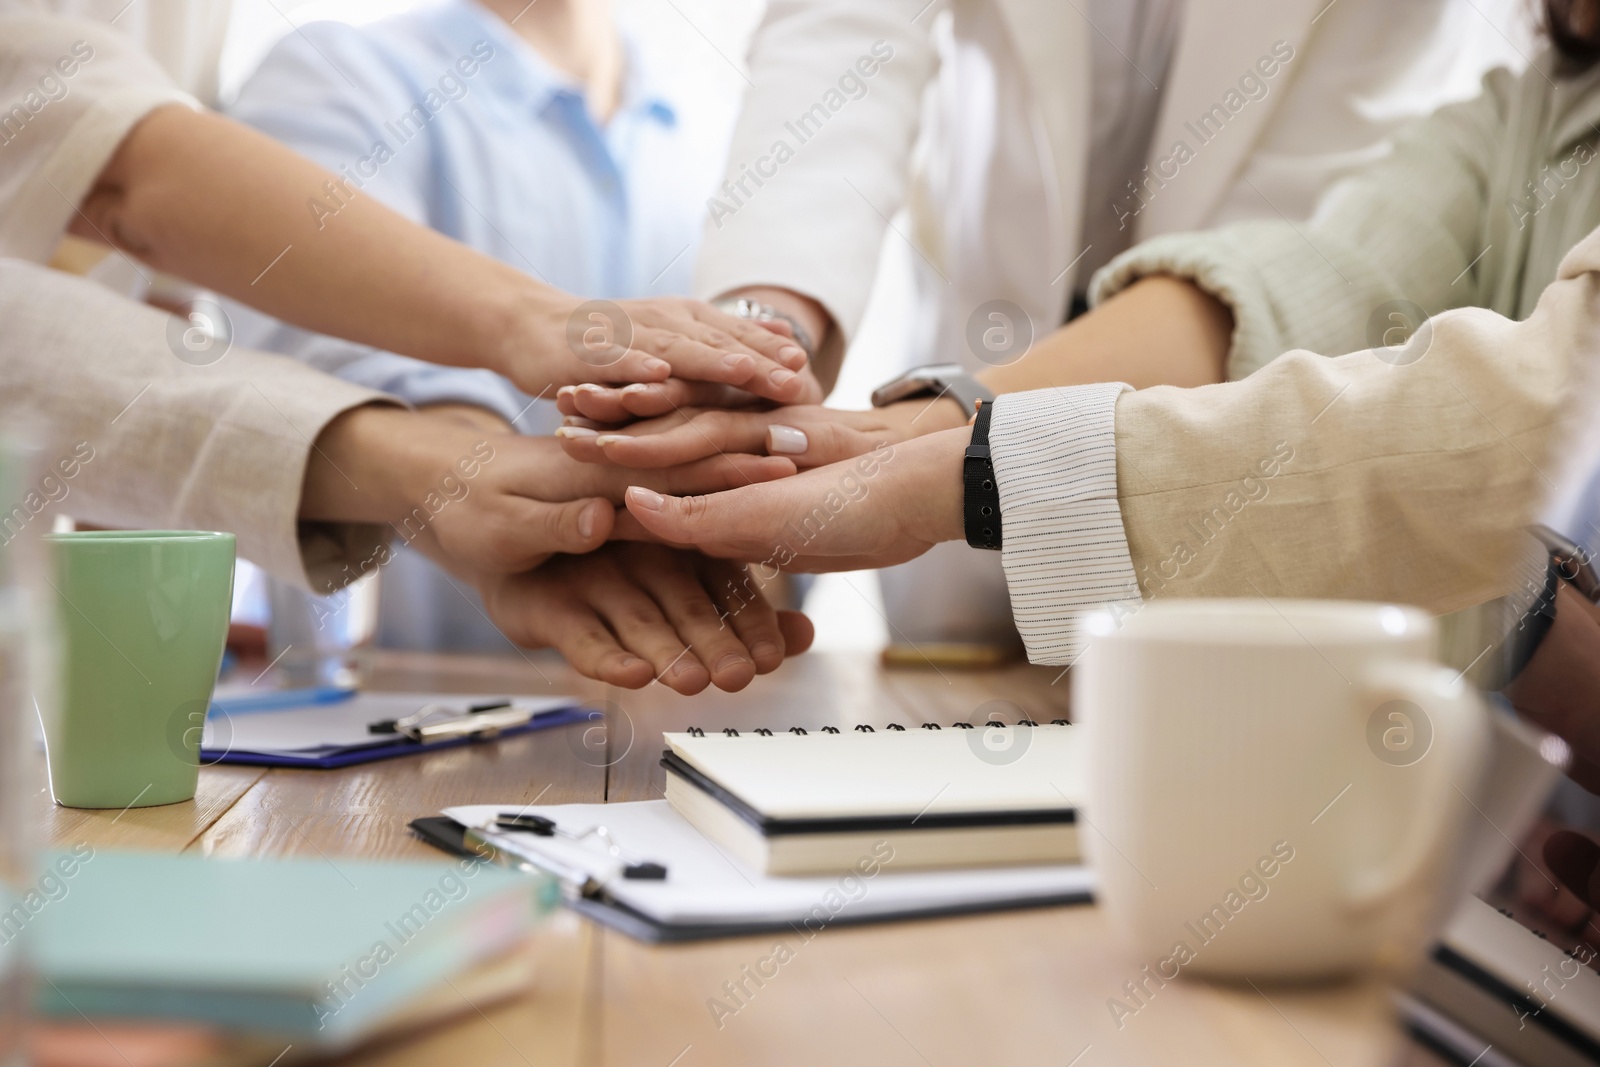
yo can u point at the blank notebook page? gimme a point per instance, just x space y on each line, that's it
893 772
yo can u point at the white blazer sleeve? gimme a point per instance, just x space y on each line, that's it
71 90
820 155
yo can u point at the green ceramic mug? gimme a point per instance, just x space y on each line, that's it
142 618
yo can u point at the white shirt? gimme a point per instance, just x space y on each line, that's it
1055 450
1131 53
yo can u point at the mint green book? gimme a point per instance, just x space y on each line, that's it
316 950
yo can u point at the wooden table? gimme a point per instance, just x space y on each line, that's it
1020 988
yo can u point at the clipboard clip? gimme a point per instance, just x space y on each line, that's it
634 868
434 722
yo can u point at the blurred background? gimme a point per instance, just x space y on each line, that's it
710 38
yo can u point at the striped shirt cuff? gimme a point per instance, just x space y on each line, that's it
1055 458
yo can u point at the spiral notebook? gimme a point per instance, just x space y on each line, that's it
802 802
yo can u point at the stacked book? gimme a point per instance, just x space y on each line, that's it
318 953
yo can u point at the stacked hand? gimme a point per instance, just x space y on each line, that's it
646 355
529 527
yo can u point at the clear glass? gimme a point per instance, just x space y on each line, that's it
323 640
24 636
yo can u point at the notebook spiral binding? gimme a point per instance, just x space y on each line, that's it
861 727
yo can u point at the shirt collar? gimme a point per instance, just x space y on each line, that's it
517 72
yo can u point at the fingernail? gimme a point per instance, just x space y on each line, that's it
635 390
731 661
736 360
648 499
586 523
786 440
764 649
656 366
629 661
609 439
683 667
567 390
572 433
793 355
780 377
590 387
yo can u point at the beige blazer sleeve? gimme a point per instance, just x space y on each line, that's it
72 89
1352 476
136 437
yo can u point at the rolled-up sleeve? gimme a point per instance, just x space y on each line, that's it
70 92
1409 228
1055 460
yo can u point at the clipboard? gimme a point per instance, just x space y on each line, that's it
724 899
323 733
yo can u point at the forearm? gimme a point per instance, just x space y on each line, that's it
204 198
1159 331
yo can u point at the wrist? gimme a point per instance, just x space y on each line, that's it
380 463
356 471
513 332
812 317
924 415
933 491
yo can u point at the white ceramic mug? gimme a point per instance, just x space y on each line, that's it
1276 789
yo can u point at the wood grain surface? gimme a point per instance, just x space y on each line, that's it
1028 987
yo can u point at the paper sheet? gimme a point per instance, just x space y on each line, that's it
705 885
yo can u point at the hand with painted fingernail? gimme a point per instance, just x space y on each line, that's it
810 435
482 502
875 510
631 614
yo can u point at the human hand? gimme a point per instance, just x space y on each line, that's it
1559 688
1538 886
481 502
558 340
628 614
876 510
810 435
1575 861
646 400
615 405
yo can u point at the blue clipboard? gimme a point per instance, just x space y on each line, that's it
346 757
346 743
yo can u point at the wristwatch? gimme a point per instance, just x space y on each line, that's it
936 380
980 498
1569 563
756 311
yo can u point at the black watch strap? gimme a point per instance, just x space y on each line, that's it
981 499
1535 623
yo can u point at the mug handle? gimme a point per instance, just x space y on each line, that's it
1457 751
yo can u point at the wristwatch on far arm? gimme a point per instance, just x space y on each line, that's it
936 380
756 311
1570 564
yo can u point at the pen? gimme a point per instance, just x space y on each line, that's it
279 700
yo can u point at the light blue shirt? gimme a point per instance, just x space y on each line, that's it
447 116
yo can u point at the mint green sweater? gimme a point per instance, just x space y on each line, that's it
1475 207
